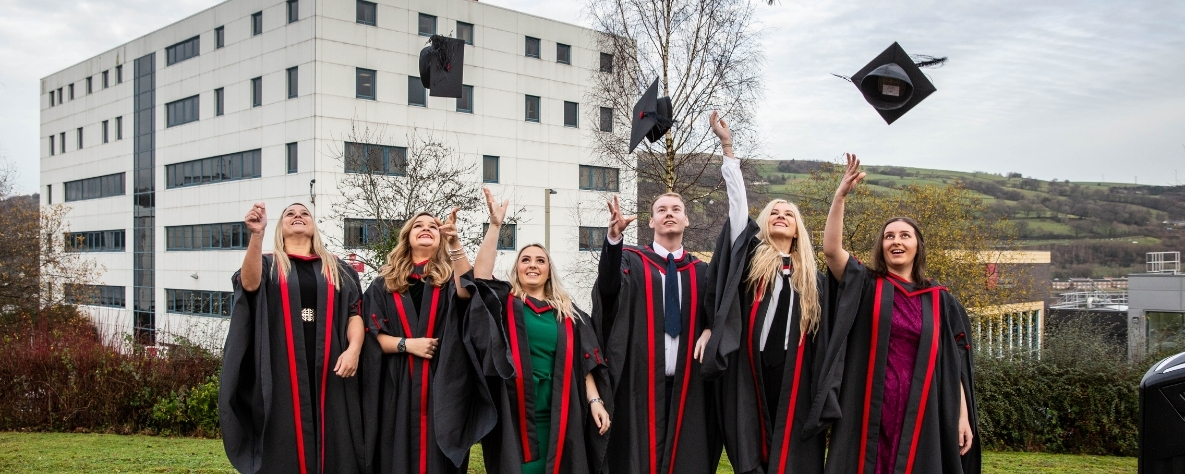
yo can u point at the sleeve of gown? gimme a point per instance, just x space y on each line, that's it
370 367
727 273
738 201
825 409
960 326
244 386
593 362
375 312
607 288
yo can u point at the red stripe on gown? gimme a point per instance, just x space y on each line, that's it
292 371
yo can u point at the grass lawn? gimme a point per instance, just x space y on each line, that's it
79 453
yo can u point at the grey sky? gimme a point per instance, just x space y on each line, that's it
1053 89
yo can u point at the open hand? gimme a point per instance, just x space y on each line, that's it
448 228
851 177
720 128
617 222
497 213
256 218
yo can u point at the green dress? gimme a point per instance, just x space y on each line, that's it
542 336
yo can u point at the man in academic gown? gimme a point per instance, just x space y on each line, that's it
929 440
649 307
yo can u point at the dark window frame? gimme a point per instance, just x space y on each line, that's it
215 169
257 92
360 233
574 117
257 23
79 141
201 237
420 19
538 105
293 11
591 239
118 74
538 47
71 86
182 111
106 79
374 83
566 57
416 90
293 81
467 96
95 188
51 147
386 160
119 128
462 26
217 304
507 236
89 85
103 295
51 102
96 241
486 161
606 62
363 7
181 51
105 136
219 37
290 156
599 178
606 124
219 101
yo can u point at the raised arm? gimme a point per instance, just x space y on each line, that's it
252 270
456 252
833 251
609 268
483 265
734 181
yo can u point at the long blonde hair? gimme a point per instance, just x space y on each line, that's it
766 265
553 291
400 265
329 266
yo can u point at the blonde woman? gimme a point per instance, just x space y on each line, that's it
769 330
428 396
289 401
552 415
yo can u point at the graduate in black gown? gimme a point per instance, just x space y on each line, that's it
897 375
289 401
428 394
769 330
653 329
552 417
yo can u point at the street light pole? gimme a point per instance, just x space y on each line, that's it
547 217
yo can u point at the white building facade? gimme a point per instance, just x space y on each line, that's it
161 145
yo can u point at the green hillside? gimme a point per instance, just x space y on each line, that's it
1093 228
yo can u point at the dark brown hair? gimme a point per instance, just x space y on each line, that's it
918 273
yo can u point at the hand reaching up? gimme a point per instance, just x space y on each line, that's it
617 222
851 176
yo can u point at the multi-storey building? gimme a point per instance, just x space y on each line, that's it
160 145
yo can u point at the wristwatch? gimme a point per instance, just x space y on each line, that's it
402 347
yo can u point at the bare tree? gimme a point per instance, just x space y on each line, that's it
706 57
384 185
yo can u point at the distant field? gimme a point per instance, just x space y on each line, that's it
85 453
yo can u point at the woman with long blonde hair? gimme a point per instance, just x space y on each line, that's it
289 401
428 396
560 382
768 331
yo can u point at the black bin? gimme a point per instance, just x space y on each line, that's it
1162 417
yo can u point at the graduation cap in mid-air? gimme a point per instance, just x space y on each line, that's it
442 65
893 83
652 117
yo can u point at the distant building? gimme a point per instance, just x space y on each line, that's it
1156 314
1014 325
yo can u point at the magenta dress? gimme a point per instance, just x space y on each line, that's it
904 334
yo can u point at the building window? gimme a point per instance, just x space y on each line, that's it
489 169
104 131
366 13
88 85
223 236
465 102
465 32
532 108
218 101
592 238
49 193
571 112
256 23
96 295
366 86
119 128
95 241
62 141
532 47
290 154
606 62
364 232
94 188
216 169
416 94
199 303
598 178
79 138
293 11
105 76
182 51
292 77
118 75
51 98
219 37
376 159
563 53
71 87
506 236
1165 331
182 111
606 119
257 92
51 150
427 25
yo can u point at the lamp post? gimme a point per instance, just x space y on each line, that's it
547 217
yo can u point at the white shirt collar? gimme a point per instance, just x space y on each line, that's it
663 252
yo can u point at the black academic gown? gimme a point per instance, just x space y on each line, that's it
853 379
269 424
628 312
575 444
760 435
430 411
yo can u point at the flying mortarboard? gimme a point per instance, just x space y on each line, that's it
442 65
652 117
893 83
